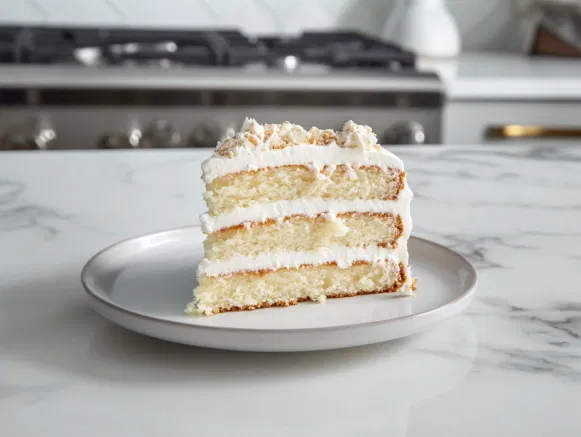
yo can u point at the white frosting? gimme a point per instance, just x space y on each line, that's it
310 207
315 156
343 256
356 135
252 126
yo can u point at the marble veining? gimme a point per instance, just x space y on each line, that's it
17 213
511 365
556 330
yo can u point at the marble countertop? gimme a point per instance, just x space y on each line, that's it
504 76
511 365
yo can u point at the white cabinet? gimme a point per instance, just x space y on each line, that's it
498 89
466 122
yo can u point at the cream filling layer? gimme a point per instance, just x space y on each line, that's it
310 208
300 154
343 256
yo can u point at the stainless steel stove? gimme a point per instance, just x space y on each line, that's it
118 89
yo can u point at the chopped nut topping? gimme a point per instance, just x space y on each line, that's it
322 137
265 137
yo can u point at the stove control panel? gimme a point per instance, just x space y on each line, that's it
55 119
120 140
161 134
31 134
208 133
164 133
409 132
158 134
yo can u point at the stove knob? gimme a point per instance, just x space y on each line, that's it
207 134
161 134
130 140
33 135
409 132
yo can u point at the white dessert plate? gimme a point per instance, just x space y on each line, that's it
144 284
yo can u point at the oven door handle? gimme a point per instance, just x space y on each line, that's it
516 131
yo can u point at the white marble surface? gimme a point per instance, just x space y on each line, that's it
498 76
510 366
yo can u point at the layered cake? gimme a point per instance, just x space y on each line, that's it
296 215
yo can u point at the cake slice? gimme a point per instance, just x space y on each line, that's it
296 215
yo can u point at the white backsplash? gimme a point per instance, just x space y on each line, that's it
484 24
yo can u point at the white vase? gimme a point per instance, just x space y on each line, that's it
425 27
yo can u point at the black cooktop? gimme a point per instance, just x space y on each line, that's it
227 48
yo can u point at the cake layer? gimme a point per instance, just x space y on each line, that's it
340 255
301 233
241 190
309 208
285 287
300 154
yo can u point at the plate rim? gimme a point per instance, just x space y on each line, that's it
467 294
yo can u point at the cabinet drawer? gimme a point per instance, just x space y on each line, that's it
485 122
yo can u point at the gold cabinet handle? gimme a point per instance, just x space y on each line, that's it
523 131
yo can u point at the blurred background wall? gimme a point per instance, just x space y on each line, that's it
484 24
